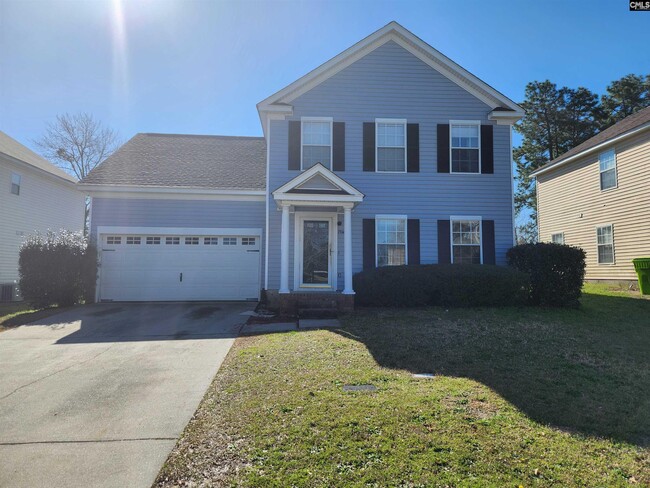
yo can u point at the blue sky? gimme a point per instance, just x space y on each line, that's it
200 67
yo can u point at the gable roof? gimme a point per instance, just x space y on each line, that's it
14 149
630 125
185 161
326 186
280 102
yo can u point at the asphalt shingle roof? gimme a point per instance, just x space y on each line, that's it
187 161
627 124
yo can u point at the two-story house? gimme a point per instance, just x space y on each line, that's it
35 196
596 196
388 154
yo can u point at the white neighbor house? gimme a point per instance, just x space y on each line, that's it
35 196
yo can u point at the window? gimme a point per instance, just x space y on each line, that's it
247 241
391 145
605 238
557 238
15 183
173 241
229 241
133 240
153 240
465 147
391 240
210 241
191 241
466 240
316 142
607 169
113 240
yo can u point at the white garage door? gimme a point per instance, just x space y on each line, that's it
159 267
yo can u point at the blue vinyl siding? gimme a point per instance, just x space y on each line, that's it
392 83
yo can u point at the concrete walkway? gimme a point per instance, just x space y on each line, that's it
98 396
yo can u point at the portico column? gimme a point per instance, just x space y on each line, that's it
347 250
284 250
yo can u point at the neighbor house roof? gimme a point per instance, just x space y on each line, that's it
628 126
502 107
14 149
185 161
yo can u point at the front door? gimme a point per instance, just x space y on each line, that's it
316 252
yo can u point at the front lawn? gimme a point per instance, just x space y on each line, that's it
532 397
13 314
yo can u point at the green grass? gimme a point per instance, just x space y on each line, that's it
530 396
14 314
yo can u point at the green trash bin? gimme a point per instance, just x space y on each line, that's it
642 267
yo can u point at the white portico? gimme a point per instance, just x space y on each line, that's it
315 198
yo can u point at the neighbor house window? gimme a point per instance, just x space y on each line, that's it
15 183
466 240
316 142
391 145
605 239
391 240
607 169
465 147
557 238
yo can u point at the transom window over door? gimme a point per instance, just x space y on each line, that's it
316 142
465 146
466 240
607 169
391 240
605 239
391 145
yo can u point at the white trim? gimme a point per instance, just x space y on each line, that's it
406 235
454 218
282 195
390 32
613 263
196 231
267 197
68 180
317 119
299 218
615 168
504 117
512 190
451 147
596 148
390 121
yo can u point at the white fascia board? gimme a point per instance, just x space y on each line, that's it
289 198
416 46
505 118
591 150
23 165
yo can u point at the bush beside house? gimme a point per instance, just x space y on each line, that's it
57 269
441 284
556 272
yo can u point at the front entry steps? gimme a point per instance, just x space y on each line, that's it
309 304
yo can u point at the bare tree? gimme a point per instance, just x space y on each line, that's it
76 144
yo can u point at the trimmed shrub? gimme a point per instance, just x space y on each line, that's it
57 269
449 285
556 272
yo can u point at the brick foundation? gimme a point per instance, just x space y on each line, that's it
290 303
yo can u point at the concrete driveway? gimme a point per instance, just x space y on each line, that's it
98 396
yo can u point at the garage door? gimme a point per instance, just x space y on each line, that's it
142 267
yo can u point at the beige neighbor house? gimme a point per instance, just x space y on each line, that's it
35 196
597 196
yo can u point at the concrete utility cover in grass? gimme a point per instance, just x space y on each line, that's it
424 375
265 328
319 324
359 388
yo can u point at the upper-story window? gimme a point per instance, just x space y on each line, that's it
15 183
391 145
607 169
465 146
316 142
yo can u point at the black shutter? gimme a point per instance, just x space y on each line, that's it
413 149
294 144
444 242
443 148
368 146
487 149
489 254
338 151
413 238
369 244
